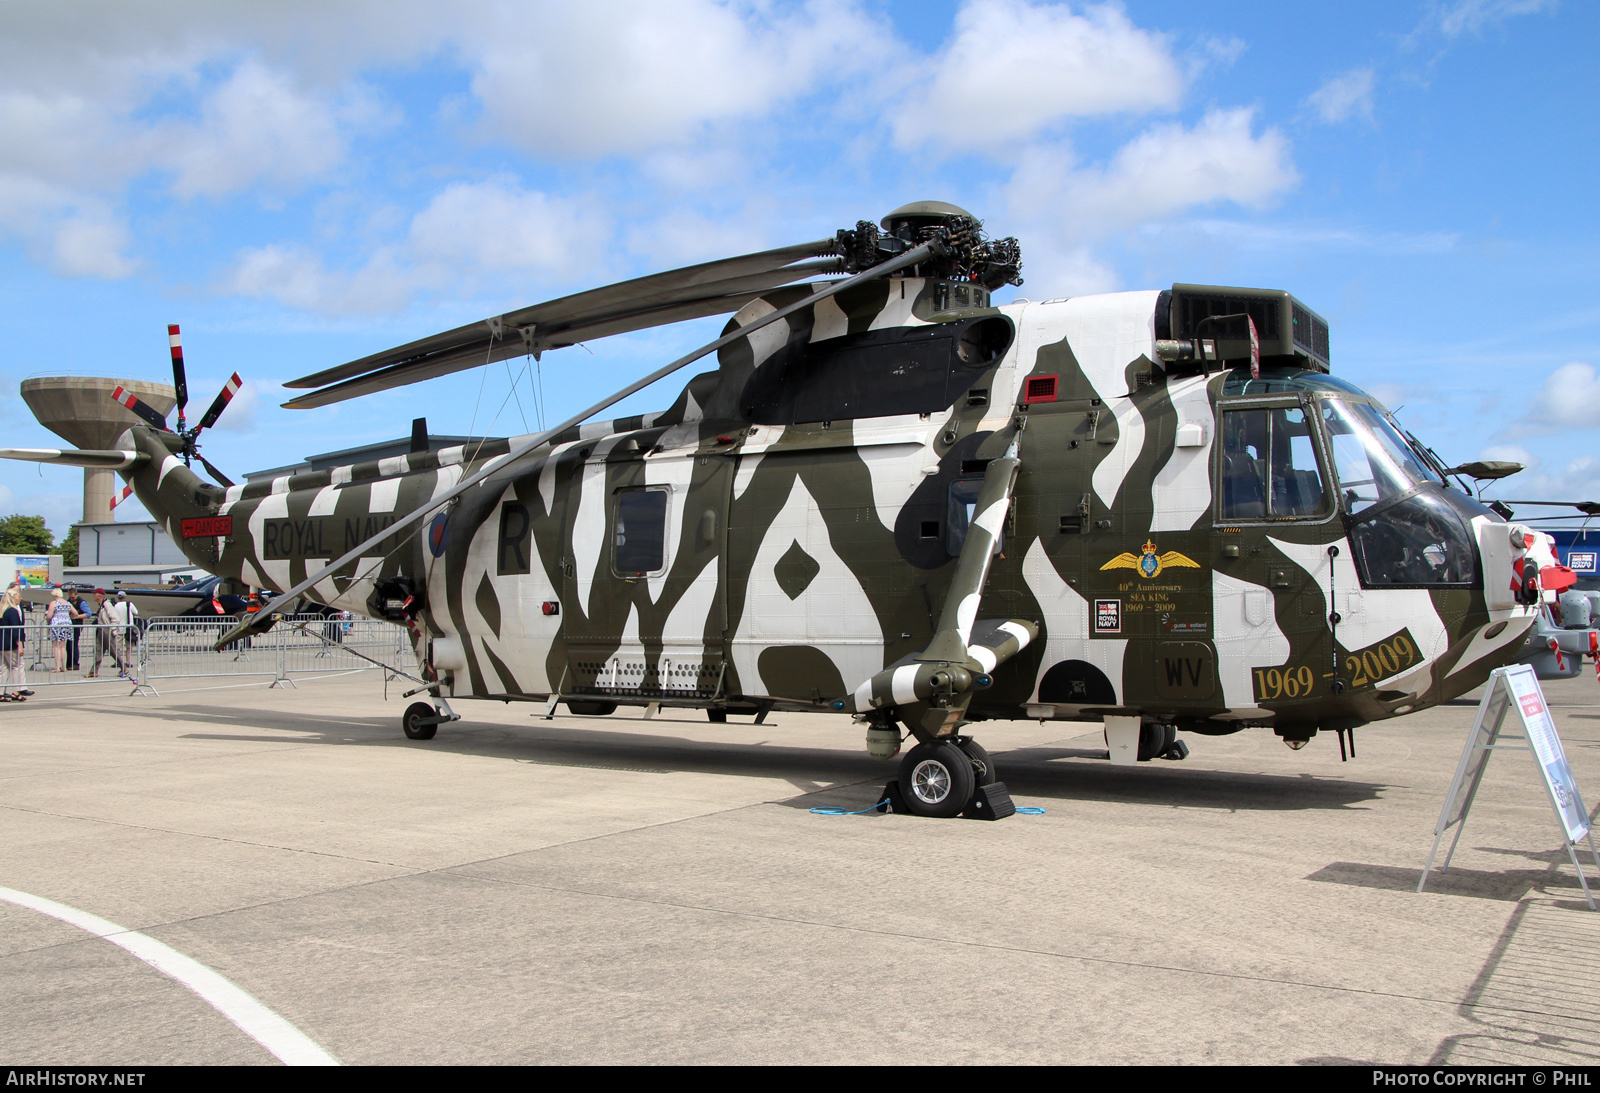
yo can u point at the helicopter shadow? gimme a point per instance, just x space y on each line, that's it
1039 772
1028 772
555 744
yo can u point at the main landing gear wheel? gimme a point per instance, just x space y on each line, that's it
412 721
1155 739
936 779
590 707
982 765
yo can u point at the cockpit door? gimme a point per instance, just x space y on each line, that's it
1275 517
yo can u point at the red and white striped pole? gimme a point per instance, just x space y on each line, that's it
127 491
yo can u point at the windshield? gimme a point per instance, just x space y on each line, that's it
1370 457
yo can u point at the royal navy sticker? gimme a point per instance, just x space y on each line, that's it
1582 561
1108 616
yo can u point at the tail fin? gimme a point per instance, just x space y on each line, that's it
180 500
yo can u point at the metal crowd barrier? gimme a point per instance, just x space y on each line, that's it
181 647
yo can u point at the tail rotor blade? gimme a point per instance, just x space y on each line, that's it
218 475
224 397
180 379
127 398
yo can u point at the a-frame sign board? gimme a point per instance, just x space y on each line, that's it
1515 692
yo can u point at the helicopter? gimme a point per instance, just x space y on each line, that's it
895 501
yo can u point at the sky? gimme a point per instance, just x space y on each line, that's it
301 183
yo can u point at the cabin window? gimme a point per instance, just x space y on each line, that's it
1269 465
963 506
639 546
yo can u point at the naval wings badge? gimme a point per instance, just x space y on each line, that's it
1150 564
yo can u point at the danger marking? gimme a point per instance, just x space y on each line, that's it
202 527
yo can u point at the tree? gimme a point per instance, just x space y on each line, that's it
68 547
25 535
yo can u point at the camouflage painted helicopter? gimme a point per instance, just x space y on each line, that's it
891 499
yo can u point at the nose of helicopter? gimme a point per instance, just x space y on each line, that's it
1510 567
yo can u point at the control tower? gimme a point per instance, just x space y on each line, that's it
80 411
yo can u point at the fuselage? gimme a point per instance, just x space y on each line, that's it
1202 548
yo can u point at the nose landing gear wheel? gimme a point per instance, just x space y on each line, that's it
936 780
412 721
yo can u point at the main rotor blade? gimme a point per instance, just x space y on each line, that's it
641 293
180 379
131 401
218 475
908 258
474 355
220 404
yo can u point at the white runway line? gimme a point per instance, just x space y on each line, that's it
266 1028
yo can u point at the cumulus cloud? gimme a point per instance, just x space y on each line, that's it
74 234
256 127
496 225
1347 95
617 78
91 243
298 277
467 231
1570 479
1569 400
1164 171
1013 69
206 102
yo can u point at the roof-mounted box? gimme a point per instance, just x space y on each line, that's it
1193 315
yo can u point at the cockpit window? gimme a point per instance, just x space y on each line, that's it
1372 460
1420 542
1269 465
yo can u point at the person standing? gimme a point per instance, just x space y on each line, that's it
104 633
80 614
13 642
123 635
59 618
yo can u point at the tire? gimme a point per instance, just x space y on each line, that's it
411 722
982 766
936 780
717 716
590 707
1155 739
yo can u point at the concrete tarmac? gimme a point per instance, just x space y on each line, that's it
622 890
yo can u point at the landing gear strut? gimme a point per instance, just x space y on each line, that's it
982 765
